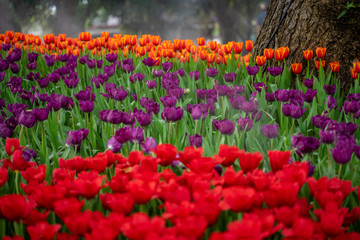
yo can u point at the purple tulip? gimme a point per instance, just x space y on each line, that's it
229 77
144 119
114 117
111 57
245 123
5 46
195 75
282 95
222 90
309 95
15 55
136 77
252 70
168 101
211 72
114 145
149 62
109 70
341 155
270 131
195 140
32 56
41 113
149 145
309 83
91 63
27 119
330 89
123 134
85 95
275 71
304 144
128 68
72 80
270 97
49 60
167 66
83 59
150 105
331 102
14 68
239 89
157 73
5 132
86 106
225 126
172 114
237 101
351 106
76 137
151 84
311 169
249 106
327 137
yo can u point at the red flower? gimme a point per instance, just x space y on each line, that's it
191 226
303 228
269 53
11 145
295 172
79 223
239 199
287 215
67 207
76 163
260 60
138 226
3 176
335 67
320 52
331 219
14 207
201 165
166 153
228 155
247 228
279 54
296 68
308 54
60 174
46 196
18 161
249 45
238 47
43 231
278 159
281 194
119 183
35 174
142 190
97 163
317 64
88 184
15 237
121 203
201 41
250 161
356 67
354 74
36 216
190 153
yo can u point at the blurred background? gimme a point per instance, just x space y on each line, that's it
221 20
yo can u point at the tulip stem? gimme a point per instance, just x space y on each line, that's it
42 141
228 138
271 144
328 155
21 130
218 142
195 126
339 173
169 132
17 182
27 136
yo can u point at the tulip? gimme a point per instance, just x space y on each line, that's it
238 47
195 140
279 54
270 131
354 74
269 53
357 67
260 60
296 68
249 45
195 75
275 71
317 64
201 41
229 77
211 72
335 66
252 70
320 52
308 54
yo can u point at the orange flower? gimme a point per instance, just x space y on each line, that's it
177 44
238 47
10 34
219 59
286 51
211 57
193 49
280 54
62 37
221 52
335 66
133 40
269 53
105 35
354 74
357 67
141 51
142 42
308 54
85 36
49 38
296 68
320 52
227 48
317 64
249 45
203 55
201 41
260 60
212 45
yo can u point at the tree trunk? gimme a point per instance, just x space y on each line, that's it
310 24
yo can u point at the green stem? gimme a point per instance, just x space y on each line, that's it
27 136
17 182
169 132
271 144
339 173
195 126
42 142
218 142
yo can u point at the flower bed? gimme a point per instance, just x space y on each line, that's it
148 139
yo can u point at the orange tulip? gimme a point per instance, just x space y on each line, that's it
2 37
269 53
141 51
286 51
354 74
49 38
296 68
133 40
335 66
142 42
317 64
193 49
249 45
62 37
105 35
221 52
227 48
308 54
211 57
357 67
201 41
177 44
219 59
212 45
238 47
85 36
10 34
37 40
320 52
279 54
260 60
203 55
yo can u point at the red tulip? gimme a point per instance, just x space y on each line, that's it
335 66
190 153
201 41
14 207
166 153
281 194
238 47
142 190
320 52
296 68
35 174
79 224
269 53
11 145
354 74
239 199
279 54
121 203
139 225
357 67
331 219
228 155
88 184
250 161
35 216
67 207
249 45
3 176
308 54
201 165
317 64
46 196
260 60
43 231
278 159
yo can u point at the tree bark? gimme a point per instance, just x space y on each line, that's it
310 24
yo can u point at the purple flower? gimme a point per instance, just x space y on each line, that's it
5 46
83 59
259 86
309 83
149 145
270 131
211 72
114 117
72 80
111 57
237 101
330 89
49 60
239 89
201 93
123 134
5 132
16 108
137 135
252 70
4 65
296 111
167 66
249 106
157 73
91 63
222 90
229 77
14 67
137 77
54 77
150 105
148 62
282 95
27 119
63 58
311 169
331 102
196 113
86 106
172 114
128 68
2 76
144 119
304 144
32 56
43 82
109 70
275 71
245 123
341 155
309 95
41 113
195 75
177 92
76 137
178 73
29 154
151 84
114 145
15 55
327 137
168 101
225 126
270 97
85 95
351 106
195 140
